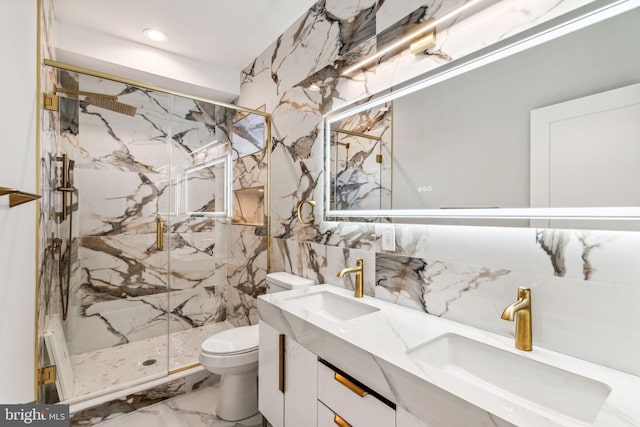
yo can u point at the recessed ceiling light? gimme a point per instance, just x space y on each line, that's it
155 35
314 87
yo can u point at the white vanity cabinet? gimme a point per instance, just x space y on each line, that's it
344 401
287 380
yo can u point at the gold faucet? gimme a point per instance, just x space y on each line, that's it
359 288
521 312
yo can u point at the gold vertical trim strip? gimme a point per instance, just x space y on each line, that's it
36 371
281 363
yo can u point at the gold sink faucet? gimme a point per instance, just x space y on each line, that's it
520 311
359 288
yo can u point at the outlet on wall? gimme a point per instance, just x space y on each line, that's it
388 234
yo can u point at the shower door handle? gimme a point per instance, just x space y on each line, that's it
159 233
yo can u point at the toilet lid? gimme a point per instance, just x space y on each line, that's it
232 341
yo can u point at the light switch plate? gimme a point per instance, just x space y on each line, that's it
388 233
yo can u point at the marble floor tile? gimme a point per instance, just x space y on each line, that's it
114 367
194 409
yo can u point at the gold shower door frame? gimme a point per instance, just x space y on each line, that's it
72 68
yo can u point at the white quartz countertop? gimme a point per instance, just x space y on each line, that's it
373 348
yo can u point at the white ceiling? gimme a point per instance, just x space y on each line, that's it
219 34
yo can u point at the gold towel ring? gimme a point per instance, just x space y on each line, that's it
299 209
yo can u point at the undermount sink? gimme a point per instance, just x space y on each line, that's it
332 306
500 371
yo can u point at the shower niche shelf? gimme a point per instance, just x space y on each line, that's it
248 206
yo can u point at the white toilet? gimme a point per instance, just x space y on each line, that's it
233 354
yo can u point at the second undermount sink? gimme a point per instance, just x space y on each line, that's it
501 371
332 306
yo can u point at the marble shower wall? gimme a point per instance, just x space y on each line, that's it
584 282
247 246
169 160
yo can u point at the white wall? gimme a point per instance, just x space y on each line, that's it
18 21
86 47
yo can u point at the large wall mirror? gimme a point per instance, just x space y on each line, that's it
541 130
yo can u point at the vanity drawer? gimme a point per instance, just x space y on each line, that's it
328 418
358 407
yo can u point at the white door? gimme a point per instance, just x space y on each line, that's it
586 153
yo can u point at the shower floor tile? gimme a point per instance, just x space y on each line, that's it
194 409
112 368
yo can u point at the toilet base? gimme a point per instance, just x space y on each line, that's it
238 396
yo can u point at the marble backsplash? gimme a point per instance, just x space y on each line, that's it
583 282
582 289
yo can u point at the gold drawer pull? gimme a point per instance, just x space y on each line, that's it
350 385
339 421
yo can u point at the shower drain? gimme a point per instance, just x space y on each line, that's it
149 362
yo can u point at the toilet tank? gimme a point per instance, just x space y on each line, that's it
282 281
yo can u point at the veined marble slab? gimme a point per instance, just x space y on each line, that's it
193 409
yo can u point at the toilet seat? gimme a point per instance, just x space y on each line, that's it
234 341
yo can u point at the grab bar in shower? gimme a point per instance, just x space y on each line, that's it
17 197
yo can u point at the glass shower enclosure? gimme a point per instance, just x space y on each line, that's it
138 198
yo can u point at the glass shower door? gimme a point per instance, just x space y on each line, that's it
201 177
150 258
113 137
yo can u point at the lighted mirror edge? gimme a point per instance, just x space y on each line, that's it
587 15
618 213
582 17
